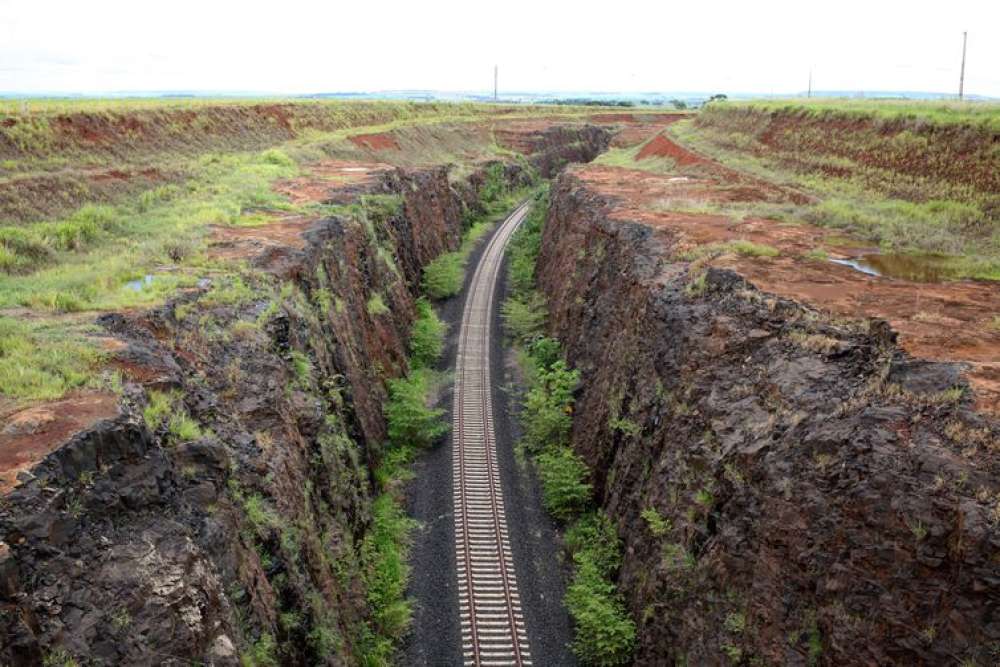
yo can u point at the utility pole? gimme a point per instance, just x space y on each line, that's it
809 93
961 77
495 68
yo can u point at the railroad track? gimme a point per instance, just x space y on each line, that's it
493 631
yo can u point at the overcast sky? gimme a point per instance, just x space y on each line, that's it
294 46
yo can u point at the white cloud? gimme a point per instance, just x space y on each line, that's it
296 46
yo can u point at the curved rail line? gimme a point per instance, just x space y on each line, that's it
493 631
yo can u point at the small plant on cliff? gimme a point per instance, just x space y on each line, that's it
183 428
263 653
410 420
427 336
158 408
376 306
657 524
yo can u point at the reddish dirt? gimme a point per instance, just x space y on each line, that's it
951 321
325 180
376 142
660 146
31 433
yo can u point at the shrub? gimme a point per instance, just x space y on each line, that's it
524 316
276 157
657 525
565 489
262 653
427 336
605 635
444 275
410 420
548 408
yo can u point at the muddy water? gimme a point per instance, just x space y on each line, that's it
925 268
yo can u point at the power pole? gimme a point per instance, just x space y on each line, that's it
961 77
809 93
495 68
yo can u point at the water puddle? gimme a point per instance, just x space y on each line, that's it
917 268
140 284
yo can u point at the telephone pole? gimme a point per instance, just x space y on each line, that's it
495 68
961 77
809 92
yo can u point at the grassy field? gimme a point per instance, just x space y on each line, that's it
916 186
945 112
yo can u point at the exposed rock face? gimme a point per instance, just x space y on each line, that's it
827 499
133 545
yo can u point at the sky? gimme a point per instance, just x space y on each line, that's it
295 46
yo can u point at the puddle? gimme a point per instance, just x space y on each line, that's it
917 268
140 284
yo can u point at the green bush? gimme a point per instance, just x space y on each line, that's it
605 635
548 407
444 275
427 336
386 573
524 316
376 305
410 420
565 489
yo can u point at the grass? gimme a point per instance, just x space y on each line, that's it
741 247
942 112
44 361
862 181
376 305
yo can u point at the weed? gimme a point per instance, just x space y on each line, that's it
376 306
524 316
158 408
263 653
735 623
183 428
59 658
626 426
657 524
815 342
40 363
303 369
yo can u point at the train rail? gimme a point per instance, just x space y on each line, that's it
493 630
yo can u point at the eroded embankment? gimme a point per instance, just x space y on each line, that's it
822 498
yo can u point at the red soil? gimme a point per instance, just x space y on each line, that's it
950 321
660 146
30 434
376 142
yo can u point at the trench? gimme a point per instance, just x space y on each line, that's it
436 637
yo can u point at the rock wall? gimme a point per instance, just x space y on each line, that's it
133 544
823 499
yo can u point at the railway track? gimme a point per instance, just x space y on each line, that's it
493 631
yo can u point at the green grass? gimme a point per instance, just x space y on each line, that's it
159 407
737 246
43 361
183 428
